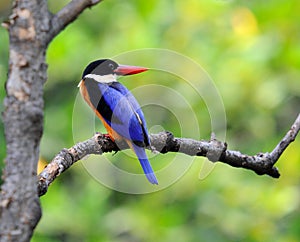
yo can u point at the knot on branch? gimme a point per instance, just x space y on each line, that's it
164 142
216 149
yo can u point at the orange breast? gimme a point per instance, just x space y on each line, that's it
112 133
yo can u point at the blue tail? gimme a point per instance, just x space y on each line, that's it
141 154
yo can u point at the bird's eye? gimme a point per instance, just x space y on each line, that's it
111 66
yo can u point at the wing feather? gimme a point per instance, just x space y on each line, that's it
120 110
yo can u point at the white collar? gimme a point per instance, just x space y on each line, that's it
103 79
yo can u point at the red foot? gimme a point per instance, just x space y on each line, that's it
109 137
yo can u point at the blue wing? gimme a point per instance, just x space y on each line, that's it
123 113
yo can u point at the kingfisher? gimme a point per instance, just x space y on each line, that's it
117 108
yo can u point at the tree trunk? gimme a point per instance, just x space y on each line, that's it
31 27
23 119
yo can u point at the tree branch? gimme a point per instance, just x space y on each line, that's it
164 142
68 14
287 139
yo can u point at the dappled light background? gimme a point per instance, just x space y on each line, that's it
251 49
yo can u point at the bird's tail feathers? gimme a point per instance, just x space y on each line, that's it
141 154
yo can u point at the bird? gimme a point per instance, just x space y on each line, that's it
117 108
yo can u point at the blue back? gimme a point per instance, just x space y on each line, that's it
120 110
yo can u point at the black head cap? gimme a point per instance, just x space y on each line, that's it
100 67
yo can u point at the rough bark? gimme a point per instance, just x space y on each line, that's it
23 119
164 142
30 31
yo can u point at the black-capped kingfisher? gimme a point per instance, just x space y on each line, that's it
117 108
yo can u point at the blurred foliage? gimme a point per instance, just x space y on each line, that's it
251 49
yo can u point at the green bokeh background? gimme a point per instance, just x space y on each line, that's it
251 49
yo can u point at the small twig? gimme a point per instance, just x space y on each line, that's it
287 139
164 142
68 14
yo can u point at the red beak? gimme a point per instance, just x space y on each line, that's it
129 70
